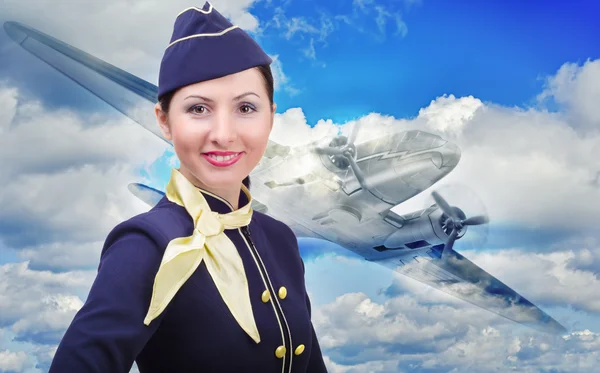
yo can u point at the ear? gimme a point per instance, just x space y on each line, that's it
161 119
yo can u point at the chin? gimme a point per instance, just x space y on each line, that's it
219 179
222 184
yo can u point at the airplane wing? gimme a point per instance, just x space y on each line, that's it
458 276
132 96
330 200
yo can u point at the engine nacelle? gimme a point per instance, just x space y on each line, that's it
420 229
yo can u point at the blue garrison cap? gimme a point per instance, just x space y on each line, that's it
205 46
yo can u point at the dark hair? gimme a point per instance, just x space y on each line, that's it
265 70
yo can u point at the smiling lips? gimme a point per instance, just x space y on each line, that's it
222 159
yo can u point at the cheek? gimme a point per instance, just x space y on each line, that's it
257 133
188 131
188 137
255 141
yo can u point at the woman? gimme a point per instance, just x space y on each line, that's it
201 283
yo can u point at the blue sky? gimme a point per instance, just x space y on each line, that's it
497 51
470 71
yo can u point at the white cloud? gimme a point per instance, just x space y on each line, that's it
54 316
576 88
299 25
355 319
585 255
440 338
545 279
11 361
310 50
302 28
368 367
327 27
75 170
527 161
65 140
401 27
382 17
361 4
44 355
290 128
64 256
39 305
449 114
8 106
383 14
280 79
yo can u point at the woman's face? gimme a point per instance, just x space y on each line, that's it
219 128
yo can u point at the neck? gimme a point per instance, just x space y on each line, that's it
229 194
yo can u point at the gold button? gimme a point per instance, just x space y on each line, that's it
280 352
299 350
266 296
282 292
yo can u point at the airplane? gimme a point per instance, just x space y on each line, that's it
335 189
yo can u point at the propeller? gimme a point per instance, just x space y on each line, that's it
344 152
455 222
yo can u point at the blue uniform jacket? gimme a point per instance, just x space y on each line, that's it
196 332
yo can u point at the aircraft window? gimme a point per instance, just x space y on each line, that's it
381 248
417 244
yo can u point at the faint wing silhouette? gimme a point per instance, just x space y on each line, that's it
132 96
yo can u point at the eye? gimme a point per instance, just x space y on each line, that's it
246 109
197 109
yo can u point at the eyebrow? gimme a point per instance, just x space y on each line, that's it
236 98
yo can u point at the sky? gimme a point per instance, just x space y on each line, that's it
514 84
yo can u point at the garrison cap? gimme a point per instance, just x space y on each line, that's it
205 46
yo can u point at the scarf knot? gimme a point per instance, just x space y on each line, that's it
209 224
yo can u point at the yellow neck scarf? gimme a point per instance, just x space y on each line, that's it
208 242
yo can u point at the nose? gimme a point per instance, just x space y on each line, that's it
224 131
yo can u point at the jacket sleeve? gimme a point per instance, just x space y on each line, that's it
108 332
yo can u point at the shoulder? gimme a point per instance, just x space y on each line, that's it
151 230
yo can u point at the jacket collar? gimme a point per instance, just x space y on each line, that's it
219 204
